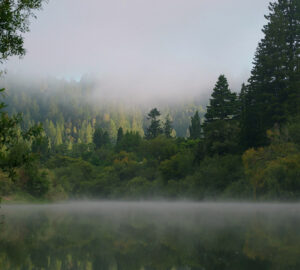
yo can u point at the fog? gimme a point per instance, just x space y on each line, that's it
179 212
144 49
150 235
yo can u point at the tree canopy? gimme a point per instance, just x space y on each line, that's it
14 21
273 90
223 102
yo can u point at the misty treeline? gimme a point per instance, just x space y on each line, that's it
245 146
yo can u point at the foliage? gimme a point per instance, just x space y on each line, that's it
100 138
195 127
37 183
85 154
167 129
129 142
222 104
14 21
154 129
273 170
273 89
222 137
14 142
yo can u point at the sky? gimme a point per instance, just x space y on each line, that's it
143 48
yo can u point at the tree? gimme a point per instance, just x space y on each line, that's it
129 142
154 129
195 127
223 104
100 138
14 21
14 150
221 132
274 86
119 135
222 137
167 129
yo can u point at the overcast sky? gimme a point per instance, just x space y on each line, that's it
159 46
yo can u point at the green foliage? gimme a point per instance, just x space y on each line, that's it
100 138
14 21
154 129
138 187
178 166
37 183
222 137
195 127
293 130
167 129
14 142
120 135
129 142
159 149
222 104
273 89
40 146
273 171
221 131
215 175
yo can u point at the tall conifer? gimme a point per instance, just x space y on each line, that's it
195 127
223 102
274 86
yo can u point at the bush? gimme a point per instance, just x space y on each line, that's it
37 183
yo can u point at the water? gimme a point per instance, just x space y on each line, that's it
150 235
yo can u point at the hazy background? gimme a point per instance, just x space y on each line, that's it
143 49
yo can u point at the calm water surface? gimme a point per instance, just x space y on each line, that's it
150 236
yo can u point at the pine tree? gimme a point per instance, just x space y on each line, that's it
274 86
223 102
120 135
154 129
195 127
168 127
100 138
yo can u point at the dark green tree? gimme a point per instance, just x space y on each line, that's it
40 146
167 129
223 103
130 142
222 137
13 141
100 138
119 135
14 21
154 129
195 127
274 86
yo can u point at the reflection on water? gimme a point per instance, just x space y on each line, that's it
144 235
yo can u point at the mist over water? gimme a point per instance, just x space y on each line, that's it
151 235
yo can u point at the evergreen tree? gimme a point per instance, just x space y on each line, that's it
195 127
274 86
154 129
100 138
222 104
168 127
119 135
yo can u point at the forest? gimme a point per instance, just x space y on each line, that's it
56 144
